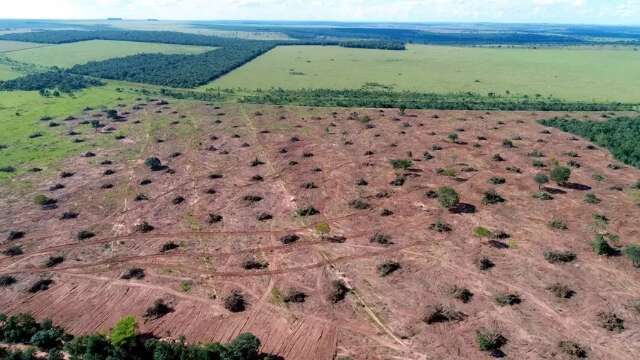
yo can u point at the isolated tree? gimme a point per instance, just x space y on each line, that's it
541 179
560 174
153 163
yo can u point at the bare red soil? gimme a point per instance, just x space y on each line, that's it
381 317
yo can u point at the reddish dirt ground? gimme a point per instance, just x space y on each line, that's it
381 317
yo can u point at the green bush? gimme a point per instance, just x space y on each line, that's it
555 257
447 197
401 164
560 174
481 232
491 197
489 340
633 253
601 246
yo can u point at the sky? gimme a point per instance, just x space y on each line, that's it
538 11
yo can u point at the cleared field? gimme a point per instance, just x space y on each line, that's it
7 46
6 73
67 55
568 73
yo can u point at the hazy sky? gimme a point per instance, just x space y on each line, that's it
563 11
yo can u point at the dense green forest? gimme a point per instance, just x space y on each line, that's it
374 44
123 342
55 80
413 100
184 71
621 136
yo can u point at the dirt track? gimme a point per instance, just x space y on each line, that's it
382 317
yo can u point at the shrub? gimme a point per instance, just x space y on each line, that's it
84 235
440 226
157 310
307 211
153 163
13 251
489 340
42 200
7 280
496 180
633 253
542 195
253 264
338 291
398 181
560 174
401 164
611 321
235 302
491 197
168 246
40 285
447 197
133 273
485 264
561 291
555 257
15 235
507 299
388 267
538 164
497 157
263 216
450 172
481 232
295 296
536 154
53 261
506 143
143 227
557 224
601 246
591 198
19 328
380 238
572 349
214 218
462 294
289 239
441 313
540 179
359 204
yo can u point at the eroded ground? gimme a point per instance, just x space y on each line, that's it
317 158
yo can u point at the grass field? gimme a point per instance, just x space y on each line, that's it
7 73
567 73
67 55
7 46
20 113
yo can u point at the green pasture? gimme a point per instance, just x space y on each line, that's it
576 73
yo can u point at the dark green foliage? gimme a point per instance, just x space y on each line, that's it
556 257
560 174
561 291
49 336
19 329
611 321
60 80
591 198
235 302
338 291
542 195
601 246
442 313
540 179
388 267
507 299
462 294
401 164
447 197
572 349
16 354
489 340
157 310
7 280
633 253
491 197
133 273
412 100
619 135
373 44
153 163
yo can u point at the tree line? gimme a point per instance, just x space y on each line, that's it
415 100
55 80
620 135
123 342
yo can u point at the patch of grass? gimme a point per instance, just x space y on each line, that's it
481 232
322 228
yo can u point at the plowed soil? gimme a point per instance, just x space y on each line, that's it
381 317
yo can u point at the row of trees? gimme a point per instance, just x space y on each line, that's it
619 135
414 100
123 342
56 80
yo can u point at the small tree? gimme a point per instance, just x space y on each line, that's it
453 137
541 179
124 331
560 174
153 163
447 197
